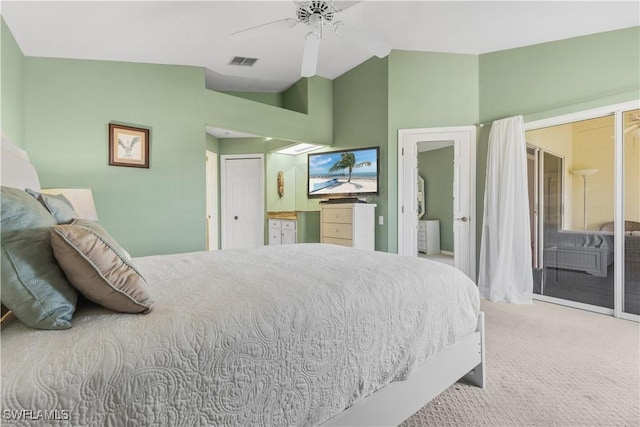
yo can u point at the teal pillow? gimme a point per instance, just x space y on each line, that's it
58 205
34 287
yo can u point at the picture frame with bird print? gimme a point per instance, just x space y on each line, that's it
128 146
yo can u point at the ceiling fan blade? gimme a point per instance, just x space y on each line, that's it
310 55
374 45
261 30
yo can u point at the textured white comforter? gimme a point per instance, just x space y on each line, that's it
278 335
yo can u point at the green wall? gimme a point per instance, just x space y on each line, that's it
295 196
69 104
426 90
269 98
360 110
294 98
309 227
561 77
287 164
213 144
436 167
235 113
62 113
11 87
552 79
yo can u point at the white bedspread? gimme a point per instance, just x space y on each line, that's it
278 335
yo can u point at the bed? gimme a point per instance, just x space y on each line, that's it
305 334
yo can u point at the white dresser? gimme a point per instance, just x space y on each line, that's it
429 237
282 231
348 224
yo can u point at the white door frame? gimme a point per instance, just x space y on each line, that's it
223 192
211 198
408 140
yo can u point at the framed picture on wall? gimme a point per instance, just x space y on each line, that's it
128 146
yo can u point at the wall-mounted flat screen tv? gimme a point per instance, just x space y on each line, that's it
343 174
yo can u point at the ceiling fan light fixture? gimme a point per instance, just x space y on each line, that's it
323 10
316 14
336 27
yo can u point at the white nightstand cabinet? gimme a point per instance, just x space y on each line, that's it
429 237
282 231
348 224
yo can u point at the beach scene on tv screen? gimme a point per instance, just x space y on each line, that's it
345 172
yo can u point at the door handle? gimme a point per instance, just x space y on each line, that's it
463 219
235 217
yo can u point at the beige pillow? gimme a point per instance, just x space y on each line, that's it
98 267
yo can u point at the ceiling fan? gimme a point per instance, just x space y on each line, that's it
318 14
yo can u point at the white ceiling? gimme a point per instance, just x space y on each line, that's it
198 33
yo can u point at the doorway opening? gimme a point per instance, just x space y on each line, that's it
435 201
461 193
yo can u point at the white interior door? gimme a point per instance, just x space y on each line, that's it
464 197
242 200
408 208
212 200
461 208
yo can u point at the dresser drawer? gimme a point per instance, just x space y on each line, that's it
422 226
348 224
275 224
422 245
282 231
422 235
335 230
341 242
288 225
341 215
275 237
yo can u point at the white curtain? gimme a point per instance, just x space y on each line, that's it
505 252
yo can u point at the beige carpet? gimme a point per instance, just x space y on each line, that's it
547 365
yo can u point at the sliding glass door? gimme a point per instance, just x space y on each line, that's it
631 182
584 184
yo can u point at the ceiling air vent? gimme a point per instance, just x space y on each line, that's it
243 61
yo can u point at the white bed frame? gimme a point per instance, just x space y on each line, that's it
391 404
397 401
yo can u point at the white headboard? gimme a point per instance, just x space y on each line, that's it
16 170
